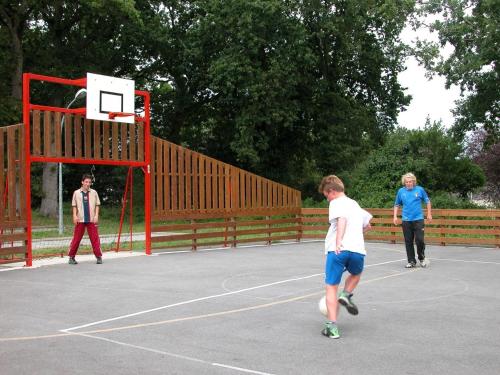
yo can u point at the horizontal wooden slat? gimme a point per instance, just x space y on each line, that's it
436 213
13 250
268 239
465 222
198 214
464 240
317 219
309 228
8 237
13 225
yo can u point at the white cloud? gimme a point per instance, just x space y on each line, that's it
430 97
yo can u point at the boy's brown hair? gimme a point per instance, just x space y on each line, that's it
331 182
85 176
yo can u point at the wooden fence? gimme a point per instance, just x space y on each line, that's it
466 227
200 201
72 137
12 206
195 200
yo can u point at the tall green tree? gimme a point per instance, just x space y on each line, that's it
15 17
287 89
472 28
68 39
488 158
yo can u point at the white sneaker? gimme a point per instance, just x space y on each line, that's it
424 263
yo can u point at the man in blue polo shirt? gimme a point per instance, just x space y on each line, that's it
411 197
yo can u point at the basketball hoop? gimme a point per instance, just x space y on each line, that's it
114 115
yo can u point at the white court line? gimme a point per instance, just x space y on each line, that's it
18 268
207 298
197 360
180 356
465 261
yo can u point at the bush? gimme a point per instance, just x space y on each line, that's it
447 200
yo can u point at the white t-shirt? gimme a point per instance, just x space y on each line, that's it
356 220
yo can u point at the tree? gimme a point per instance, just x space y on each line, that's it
431 154
14 19
68 39
287 89
472 28
488 158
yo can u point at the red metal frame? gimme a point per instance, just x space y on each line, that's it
128 184
145 165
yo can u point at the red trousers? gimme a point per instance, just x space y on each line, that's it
77 237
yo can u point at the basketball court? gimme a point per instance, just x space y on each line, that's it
251 310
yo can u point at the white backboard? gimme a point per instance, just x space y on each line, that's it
109 94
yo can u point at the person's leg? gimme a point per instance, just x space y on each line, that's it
351 282
419 238
354 266
77 237
94 239
331 330
409 237
332 303
334 268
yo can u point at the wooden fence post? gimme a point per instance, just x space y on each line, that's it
193 241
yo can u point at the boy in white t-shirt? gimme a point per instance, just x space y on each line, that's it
345 249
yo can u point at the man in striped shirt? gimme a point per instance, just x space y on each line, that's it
85 204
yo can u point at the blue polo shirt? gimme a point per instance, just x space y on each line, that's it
411 200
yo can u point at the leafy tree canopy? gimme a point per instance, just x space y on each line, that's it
431 154
472 28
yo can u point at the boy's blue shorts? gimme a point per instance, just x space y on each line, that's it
336 264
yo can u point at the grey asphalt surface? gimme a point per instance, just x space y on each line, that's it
252 310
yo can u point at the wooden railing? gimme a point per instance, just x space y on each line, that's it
228 231
12 206
468 227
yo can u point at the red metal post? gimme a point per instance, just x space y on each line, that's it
147 174
27 153
124 205
131 218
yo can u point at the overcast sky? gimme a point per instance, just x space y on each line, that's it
430 97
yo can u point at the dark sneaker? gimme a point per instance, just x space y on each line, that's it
411 265
99 260
424 263
345 300
72 261
331 331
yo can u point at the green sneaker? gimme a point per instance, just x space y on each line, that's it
345 300
72 261
331 331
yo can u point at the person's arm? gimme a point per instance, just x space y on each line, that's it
429 211
366 221
397 202
341 224
427 201
96 214
395 218
75 215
